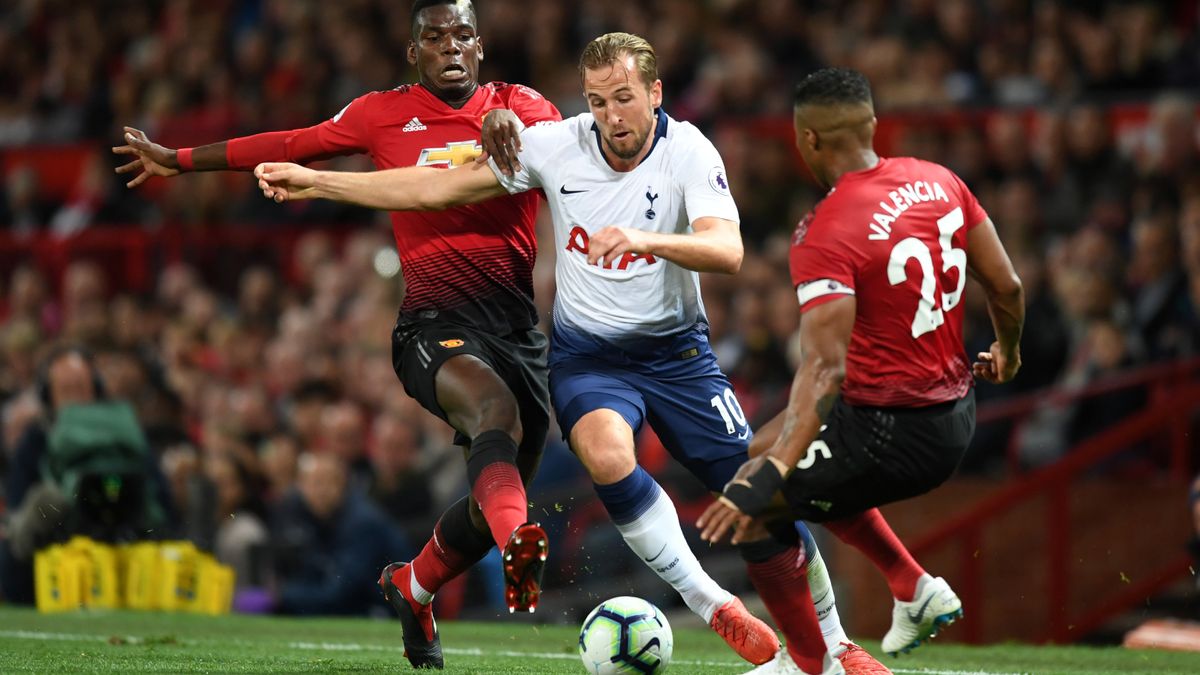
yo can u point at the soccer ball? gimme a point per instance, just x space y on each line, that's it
625 635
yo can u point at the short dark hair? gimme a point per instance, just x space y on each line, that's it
419 5
833 86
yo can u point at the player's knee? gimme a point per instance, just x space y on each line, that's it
475 398
500 411
603 442
607 464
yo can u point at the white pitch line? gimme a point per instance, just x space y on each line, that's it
929 671
351 646
474 651
355 647
575 657
69 637
35 635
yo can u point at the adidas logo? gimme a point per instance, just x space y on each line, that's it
414 125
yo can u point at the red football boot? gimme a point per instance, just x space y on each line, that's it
752 639
858 661
524 560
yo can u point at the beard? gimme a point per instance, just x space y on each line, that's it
635 148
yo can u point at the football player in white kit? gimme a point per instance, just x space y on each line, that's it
640 204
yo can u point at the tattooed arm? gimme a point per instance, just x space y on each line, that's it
824 338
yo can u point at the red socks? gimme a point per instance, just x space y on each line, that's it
496 486
496 483
501 496
870 533
782 583
455 546
436 564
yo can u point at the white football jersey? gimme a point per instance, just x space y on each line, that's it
680 180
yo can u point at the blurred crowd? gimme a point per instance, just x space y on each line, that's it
191 70
277 426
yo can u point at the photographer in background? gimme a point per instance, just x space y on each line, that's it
85 469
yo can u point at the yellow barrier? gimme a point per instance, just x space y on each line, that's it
177 576
214 587
171 576
140 574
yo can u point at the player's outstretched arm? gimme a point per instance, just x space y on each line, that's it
988 262
152 159
714 245
347 133
408 189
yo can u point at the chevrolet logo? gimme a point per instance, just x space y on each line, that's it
453 154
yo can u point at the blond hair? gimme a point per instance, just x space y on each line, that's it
613 47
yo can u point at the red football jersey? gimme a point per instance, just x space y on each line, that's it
472 264
894 236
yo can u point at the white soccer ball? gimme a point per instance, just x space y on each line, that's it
625 635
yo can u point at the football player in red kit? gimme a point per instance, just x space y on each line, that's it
465 344
882 407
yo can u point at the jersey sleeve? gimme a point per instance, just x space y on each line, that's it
973 212
344 134
705 185
822 269
537 145
529 105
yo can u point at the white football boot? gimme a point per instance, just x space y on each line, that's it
933 607
783 664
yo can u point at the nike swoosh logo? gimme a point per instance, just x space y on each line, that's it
744 435
660 552
920 614
563 190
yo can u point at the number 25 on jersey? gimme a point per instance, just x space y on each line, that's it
930 308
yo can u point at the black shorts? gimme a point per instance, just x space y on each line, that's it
419 348
867 457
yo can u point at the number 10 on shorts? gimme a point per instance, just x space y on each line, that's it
731 411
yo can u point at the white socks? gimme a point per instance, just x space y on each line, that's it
420 594
822 593
656 537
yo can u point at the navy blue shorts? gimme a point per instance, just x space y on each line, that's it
673 383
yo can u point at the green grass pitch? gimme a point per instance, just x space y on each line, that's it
139 642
